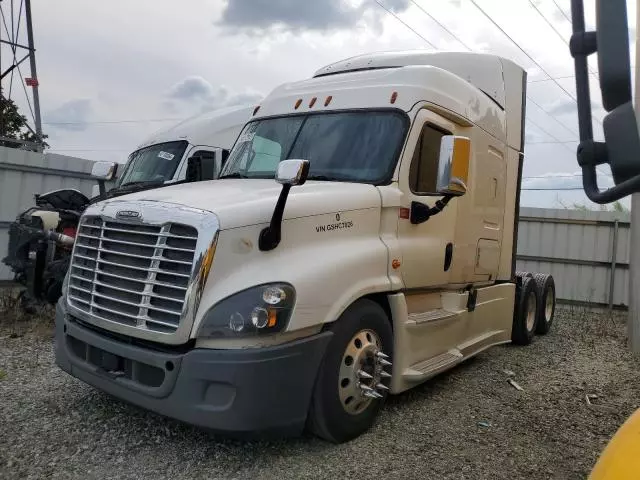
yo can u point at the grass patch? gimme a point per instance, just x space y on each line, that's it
15 322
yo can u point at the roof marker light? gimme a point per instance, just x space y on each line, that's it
328 101
312 102
298 103
394 96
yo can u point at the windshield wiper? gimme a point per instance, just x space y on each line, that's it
322 178
233 175
133 187
326 178
141 182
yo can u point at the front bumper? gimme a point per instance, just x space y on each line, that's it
260 390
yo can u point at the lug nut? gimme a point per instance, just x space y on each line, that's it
372 394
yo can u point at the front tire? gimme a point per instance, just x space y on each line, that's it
345 401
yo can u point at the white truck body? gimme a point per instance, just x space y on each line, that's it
211 133
446 286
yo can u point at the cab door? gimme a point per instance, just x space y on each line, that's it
213 153
427 248
428 340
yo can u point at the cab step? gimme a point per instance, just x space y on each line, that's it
430 316
427 368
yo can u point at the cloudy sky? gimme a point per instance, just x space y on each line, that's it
113 72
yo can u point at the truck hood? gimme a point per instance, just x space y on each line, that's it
243 202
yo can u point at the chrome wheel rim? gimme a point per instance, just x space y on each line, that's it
548 307
361 371
531 311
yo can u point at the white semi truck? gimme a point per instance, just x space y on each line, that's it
382 254
163 157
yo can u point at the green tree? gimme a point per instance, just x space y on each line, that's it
614 207
619 207
14 125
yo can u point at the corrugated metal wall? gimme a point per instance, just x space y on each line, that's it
22 174
577 248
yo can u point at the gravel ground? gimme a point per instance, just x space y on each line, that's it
468 423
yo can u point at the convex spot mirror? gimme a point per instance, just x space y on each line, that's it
292 172
104 170
453 165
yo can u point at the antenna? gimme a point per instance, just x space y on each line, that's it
16 47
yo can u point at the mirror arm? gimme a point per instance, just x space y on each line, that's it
440 204
103 189
420 212
270 236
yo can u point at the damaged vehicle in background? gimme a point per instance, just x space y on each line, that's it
42 237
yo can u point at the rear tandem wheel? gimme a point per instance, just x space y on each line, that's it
525 313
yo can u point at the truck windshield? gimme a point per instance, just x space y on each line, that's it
155 163
345 146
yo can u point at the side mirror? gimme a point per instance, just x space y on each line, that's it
621 148
292 172
453 166
104 170
612 41
289 174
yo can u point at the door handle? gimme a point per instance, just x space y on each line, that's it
448 256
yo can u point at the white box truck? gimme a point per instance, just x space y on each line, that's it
382 254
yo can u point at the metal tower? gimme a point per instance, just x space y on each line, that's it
16 47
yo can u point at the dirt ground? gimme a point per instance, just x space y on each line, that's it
469 423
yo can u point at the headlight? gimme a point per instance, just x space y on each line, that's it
260 310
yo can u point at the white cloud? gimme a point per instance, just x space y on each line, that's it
195 92
191 88
71 115
260 17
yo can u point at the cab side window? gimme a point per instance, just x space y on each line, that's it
205 154
208 161
424 165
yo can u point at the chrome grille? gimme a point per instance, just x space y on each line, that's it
132 274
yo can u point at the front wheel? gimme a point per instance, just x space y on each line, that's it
354 377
